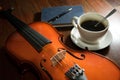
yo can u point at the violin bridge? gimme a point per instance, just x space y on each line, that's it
58 57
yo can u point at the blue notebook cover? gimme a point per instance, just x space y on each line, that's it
49 13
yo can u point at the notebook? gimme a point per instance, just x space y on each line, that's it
66 19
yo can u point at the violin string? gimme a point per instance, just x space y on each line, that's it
57 61
67 60
63 68
26 32
33 37
51 55
63 60
21 27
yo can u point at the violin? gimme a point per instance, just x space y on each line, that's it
39 45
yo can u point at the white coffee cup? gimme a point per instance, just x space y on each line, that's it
89 36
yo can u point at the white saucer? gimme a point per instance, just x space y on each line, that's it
102 43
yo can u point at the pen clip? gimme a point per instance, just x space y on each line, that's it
59 15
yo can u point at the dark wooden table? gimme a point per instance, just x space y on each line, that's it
29 11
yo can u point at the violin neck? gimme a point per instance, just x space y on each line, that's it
33 37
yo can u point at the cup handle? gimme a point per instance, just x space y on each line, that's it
74 21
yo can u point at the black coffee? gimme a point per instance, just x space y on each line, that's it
90 25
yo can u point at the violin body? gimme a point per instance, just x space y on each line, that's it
96 67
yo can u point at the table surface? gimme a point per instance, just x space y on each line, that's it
29 11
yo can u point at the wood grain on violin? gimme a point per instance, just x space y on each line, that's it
54 61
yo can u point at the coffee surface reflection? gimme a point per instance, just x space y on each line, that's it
90 25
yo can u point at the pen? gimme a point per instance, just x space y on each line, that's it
59 15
